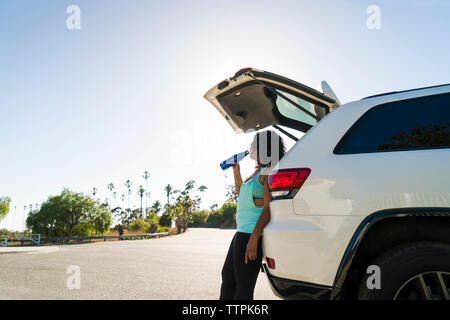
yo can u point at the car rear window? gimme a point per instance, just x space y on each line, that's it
290 111
413 124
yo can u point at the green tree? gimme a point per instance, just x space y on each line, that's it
166 218
125 216
140 193
188 187
168 190
228 211
147 196
110 188
146 176
214 219
4 206
128 185
186 202
156 207
225 216
199 218
70 214
231 193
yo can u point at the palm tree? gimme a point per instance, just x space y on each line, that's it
168 190
25 214
94 191
114 197
141 192
186 205
128 185
15 210
147 195
146 176
156 207
189 186
110 187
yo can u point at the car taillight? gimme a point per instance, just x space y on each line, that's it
285 183
270 263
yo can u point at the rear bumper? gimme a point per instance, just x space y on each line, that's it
296 290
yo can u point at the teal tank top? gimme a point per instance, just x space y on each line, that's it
247 214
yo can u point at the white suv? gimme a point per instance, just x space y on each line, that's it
361 203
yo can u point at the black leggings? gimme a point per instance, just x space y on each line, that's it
239 278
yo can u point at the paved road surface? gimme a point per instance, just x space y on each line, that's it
185 266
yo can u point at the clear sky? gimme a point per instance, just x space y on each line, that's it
124 94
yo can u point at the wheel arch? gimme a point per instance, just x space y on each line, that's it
381 231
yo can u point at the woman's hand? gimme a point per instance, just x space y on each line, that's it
252 246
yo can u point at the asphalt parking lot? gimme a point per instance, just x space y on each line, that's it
186 266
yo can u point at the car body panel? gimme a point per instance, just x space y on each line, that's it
306 248
246 103
308 235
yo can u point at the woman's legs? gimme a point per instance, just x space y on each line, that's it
228 281
245 274
239 278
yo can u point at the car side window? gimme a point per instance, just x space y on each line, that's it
414 124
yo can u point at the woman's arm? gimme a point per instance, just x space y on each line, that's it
237 177
264 218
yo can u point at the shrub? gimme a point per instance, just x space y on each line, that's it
224 217
163 229
228 210
214 220
153 228
199 218
5 232
165 219
139 225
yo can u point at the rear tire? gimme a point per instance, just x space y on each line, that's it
416 271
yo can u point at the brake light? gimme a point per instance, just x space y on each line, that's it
242 70
285 183
270 263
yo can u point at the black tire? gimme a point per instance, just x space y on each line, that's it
404 270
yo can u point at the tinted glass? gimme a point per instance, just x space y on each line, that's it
404 125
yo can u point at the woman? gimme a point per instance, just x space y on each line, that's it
244 257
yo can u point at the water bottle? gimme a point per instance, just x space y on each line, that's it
234 159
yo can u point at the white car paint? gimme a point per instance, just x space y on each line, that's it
307 236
